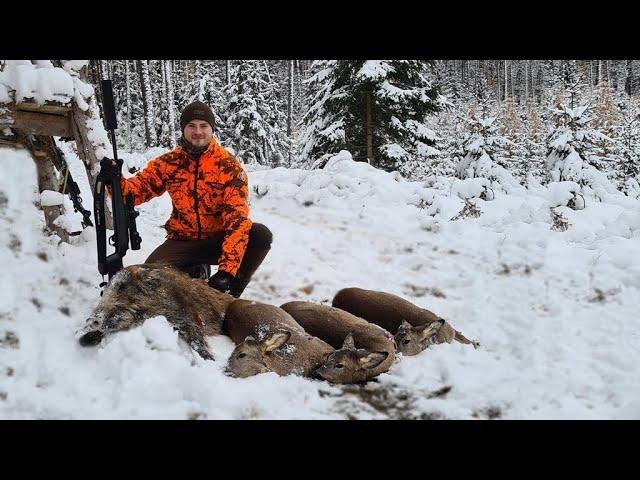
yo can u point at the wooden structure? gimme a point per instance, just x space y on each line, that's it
33 127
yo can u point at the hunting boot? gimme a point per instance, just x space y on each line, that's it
259 245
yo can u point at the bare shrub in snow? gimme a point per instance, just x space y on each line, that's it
470 210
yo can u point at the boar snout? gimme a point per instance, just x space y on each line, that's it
91 334
91 339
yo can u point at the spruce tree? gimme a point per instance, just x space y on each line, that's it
628 142
375 109
572 146
247 126
512 153
482 157
534 145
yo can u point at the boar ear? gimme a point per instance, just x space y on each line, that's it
406 324
149 279
431 329
349 344
372 359
275 340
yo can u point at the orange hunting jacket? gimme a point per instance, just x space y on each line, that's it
209 197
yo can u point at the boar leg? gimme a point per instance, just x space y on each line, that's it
195 338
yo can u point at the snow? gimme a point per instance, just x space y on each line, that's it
374 70
470 187
561 192
4 93
555 312
387 90
394 151
74 66
99 138
40 81
49 198
420 130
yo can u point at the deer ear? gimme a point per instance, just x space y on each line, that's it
406 324
349 344
276 340
431 329
372 359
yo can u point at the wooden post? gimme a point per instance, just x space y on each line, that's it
87 153
40 149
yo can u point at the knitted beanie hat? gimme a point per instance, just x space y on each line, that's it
196 111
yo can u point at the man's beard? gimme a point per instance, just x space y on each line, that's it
192 149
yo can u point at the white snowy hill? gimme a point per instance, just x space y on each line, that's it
556 313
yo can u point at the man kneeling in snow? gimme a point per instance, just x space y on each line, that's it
209 224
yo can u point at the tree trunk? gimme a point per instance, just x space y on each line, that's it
128 100
104 70
526 81
147 105
164 117
475 77
369 128
170 105
506 80
290 108
599 72
513 77
498 83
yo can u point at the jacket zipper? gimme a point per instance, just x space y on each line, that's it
195 195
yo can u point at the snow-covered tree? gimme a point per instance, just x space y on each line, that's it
448 144
249 125
534 145
628 143
606 113
512 153
376 109
481 153
571 156
323 134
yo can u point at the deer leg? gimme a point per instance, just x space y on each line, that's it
462 339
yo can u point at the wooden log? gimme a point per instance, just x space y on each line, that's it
45 124
51 108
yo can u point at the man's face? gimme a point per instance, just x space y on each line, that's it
198 133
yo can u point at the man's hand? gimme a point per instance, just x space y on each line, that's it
221 281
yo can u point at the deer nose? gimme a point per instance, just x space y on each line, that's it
230 373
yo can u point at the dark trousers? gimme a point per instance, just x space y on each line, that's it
186 253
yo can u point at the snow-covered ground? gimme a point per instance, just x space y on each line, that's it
556 313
